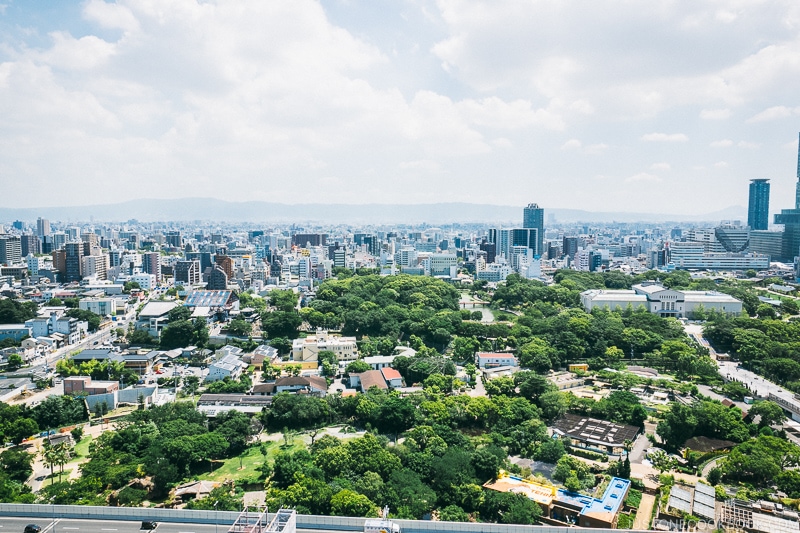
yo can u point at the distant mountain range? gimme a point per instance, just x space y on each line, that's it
209 209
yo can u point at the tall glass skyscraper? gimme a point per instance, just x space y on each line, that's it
533 218
758 208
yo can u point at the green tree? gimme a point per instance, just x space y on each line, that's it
240 328
15 362
16 463
769 413
453 513
350 503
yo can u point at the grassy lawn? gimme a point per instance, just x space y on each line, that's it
251 460
82 448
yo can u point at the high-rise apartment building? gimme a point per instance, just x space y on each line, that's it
533 218
73 261
151 264
758 206
10 249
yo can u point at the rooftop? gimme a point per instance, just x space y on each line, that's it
595 431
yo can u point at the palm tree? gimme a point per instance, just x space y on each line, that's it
48 457
62 453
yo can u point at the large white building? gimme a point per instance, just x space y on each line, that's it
660 300
692 255
308 349
99 306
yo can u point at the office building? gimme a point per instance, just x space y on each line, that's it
533 218
42 227
758 206
790 218
187 272
769 243
305 240
570 246
174 239
31 244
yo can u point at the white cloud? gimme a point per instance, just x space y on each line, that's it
721 164
715 114
774 113
642 177
748 145
665 137
178 96
724 143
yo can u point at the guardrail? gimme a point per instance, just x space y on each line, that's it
325 523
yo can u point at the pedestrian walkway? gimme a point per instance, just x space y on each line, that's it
644 512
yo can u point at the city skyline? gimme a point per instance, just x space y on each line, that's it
600 108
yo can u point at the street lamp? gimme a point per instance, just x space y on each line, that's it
216 518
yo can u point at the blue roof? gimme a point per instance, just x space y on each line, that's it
610 502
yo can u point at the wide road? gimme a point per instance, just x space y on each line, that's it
68 525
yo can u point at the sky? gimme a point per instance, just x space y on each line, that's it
665 107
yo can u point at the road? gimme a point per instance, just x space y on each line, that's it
65 525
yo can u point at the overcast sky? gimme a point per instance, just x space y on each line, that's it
668 106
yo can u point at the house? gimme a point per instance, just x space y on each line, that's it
195 490
228 366
260 355
392 377
493 360
366 380
264 389
316 385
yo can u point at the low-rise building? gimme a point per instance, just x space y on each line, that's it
84 385
154 317
392 377
228 366
572 508
99 306
17 332
366 380
316 385
661 301
594 434
495 359
308 349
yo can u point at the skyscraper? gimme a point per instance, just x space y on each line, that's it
42 227
758 208
790 218
533 218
